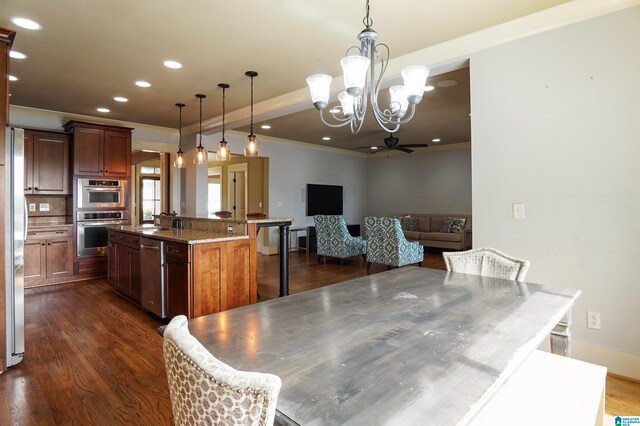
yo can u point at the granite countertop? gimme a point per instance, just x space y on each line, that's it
186 236
230 220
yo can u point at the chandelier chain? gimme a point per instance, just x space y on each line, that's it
367 21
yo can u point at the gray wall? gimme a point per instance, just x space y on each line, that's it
431 182
556 125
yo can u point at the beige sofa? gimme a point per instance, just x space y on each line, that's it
429 235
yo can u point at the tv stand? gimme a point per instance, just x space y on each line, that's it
311 241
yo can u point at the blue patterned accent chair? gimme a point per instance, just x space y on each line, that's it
387 244
334 239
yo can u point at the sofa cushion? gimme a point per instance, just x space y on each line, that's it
437 222
441 236
424 223
412 235
453 224
409 223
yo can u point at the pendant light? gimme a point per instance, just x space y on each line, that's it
223 154
252 147
201 154
178 158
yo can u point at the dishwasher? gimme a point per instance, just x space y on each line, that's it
152 276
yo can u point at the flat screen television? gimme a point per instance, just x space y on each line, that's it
324 199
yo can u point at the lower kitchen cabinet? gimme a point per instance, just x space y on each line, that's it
128 271
199 279
47 260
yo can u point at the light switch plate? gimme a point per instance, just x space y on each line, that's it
518 210
32 207
44 207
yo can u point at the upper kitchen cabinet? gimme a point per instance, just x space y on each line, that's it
46 163
100 150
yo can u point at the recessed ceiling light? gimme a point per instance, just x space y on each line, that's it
17 55
172 64
446 83
435 140
326 138
120 99
265 126
13 78
428 88
26 23
374 147
103 109
335 110
142 83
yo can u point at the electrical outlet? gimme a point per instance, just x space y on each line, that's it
229 228
260 204
32 207
44 207
593 320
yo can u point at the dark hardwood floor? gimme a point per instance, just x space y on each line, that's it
93 358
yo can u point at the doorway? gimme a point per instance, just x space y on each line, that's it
237 193
214 190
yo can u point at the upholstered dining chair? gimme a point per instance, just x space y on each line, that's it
204 390
334 239
387 245
487 262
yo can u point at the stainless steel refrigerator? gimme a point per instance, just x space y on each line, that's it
15 234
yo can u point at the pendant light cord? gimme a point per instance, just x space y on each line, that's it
367 21
223 111
180 131
251 104
200 145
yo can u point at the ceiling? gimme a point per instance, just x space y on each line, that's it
88 52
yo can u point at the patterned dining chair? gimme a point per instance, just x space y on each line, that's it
334 239
204 390
487 262
387 245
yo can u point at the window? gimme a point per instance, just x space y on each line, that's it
150 199
149 170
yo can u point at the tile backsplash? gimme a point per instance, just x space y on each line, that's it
49 209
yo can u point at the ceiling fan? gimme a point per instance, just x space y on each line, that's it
391 143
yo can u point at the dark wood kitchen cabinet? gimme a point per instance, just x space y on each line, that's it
48 256
177 273
128 270
47 165
100 150
112 271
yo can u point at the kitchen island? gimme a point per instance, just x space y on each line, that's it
194 271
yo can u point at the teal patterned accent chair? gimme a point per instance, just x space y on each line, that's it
334 239
387 245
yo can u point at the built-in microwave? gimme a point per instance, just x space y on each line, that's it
94 193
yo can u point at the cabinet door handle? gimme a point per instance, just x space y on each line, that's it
106 171
49 244
42 244
149 247
100 171
36 188
29 189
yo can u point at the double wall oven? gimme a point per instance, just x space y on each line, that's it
100 203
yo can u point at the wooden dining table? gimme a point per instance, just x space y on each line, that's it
410 346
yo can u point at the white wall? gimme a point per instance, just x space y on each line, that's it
422 182
292 166
556 125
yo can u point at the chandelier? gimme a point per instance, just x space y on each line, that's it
361 81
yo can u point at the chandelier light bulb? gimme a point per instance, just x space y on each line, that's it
399 100
415 79
222 154
320 87
355 69
346 102
201 156
251 148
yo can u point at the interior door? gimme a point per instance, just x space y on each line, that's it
237 193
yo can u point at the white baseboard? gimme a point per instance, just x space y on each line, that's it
621 363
